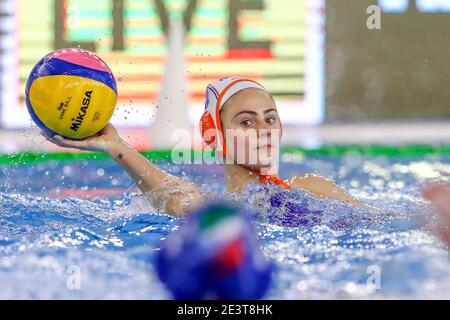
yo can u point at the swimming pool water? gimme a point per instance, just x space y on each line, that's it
101 243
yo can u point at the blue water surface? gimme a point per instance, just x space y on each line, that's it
101 243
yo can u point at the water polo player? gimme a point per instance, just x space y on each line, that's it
231 104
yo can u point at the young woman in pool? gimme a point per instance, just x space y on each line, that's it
231 104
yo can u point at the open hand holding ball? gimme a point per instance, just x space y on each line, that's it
71 93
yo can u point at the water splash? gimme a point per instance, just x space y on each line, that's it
324 253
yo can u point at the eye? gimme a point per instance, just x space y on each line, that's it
271 120
246 123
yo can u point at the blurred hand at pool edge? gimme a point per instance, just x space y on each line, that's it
439 195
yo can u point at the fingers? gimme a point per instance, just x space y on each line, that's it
46 136
78 144
432 191
65 143
439 195
444 233
109 126
109 130
50 138
444 209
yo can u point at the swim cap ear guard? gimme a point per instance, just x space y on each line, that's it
208 130
210 125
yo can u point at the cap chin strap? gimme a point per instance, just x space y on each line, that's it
267 178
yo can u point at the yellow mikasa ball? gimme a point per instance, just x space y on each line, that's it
71 93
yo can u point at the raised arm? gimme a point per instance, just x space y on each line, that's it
168 193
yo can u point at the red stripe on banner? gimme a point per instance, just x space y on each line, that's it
249 54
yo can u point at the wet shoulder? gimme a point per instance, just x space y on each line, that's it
312 183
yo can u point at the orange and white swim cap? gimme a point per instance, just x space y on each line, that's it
217 94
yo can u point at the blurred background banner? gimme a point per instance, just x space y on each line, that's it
319 58
277 42
400 71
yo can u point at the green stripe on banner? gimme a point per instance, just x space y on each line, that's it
165 155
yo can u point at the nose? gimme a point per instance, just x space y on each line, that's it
264 126
267 130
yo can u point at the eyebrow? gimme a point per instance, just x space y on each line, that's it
254 113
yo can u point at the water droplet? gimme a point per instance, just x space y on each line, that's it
67 170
